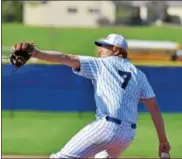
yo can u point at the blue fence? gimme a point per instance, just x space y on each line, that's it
56 88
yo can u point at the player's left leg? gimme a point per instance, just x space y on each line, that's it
87 142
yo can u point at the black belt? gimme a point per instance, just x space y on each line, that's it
117 121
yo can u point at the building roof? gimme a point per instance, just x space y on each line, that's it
143 3
174 3
132 3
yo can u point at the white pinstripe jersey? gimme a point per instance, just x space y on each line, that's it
118 86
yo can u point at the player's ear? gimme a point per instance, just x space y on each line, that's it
116 51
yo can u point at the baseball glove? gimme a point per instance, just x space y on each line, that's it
21 53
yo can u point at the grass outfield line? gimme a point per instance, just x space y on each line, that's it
37 133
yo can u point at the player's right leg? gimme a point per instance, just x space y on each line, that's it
120 142
114 152
86 143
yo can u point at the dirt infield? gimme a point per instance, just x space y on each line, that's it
43 156
23 156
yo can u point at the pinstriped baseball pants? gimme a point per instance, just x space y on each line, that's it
100 139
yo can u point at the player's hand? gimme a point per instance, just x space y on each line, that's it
164 147
21 53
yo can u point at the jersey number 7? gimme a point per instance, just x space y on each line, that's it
126 77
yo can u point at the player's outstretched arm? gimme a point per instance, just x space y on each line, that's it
154 110
58 57
86 66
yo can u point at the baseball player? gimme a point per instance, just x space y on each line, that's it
118 88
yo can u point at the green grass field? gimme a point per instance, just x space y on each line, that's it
37 133
80 40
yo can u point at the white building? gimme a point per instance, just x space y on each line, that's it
91 13
67 13
175 8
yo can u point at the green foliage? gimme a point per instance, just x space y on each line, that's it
12 11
